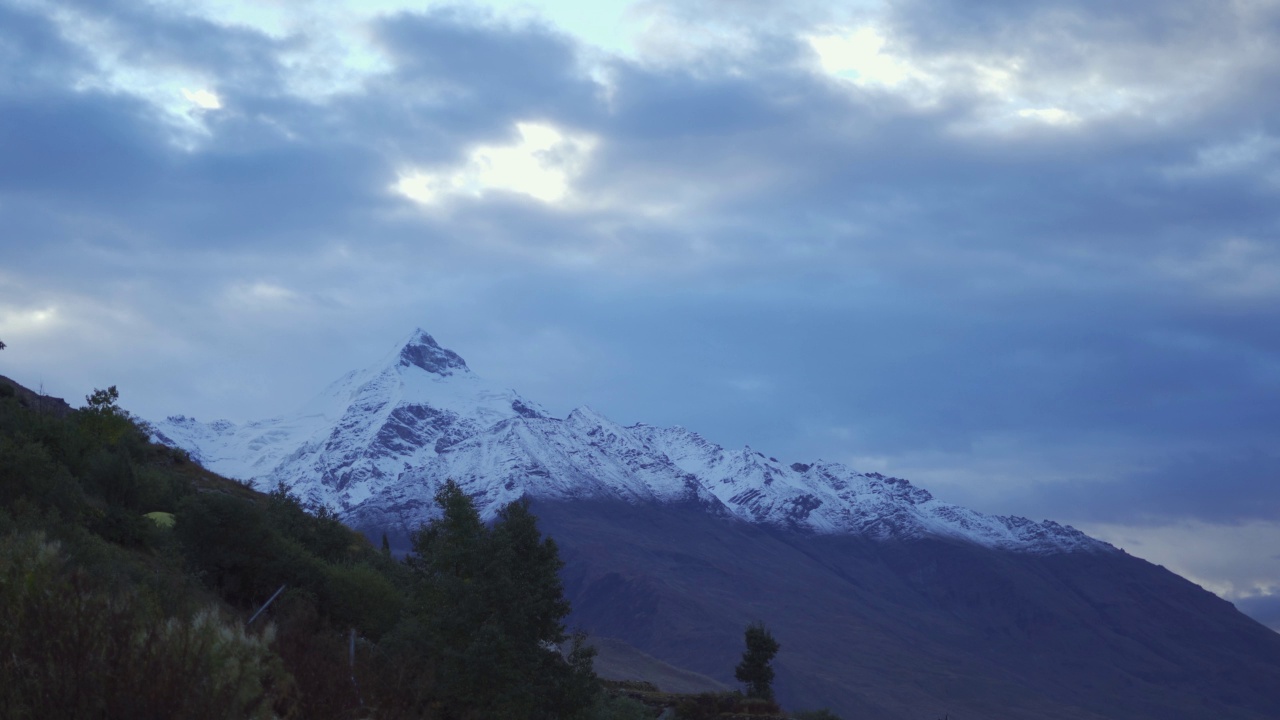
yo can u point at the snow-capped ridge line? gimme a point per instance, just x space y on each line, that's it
378 442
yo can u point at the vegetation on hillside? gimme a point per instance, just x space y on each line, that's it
129 574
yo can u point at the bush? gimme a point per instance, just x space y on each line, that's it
712 705
228 542
316 528
29 473
126 528
616 707
822 714
71 648
361 597
109 474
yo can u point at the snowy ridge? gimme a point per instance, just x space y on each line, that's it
378 443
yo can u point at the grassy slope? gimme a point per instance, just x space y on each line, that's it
616 660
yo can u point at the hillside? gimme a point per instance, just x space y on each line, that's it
129 575
917 628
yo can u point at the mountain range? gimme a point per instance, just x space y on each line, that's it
888 602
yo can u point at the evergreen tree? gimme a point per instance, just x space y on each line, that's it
755 669
493 608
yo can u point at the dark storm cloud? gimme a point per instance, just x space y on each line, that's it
77 157
462 78
1227 484
760 250
276 170
456 66
82 147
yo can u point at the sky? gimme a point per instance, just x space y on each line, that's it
1026 255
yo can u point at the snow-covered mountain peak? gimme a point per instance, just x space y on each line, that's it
586 418
378 442
421 350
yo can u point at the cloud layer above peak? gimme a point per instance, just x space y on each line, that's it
1026 254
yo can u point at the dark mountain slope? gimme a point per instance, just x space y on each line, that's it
917 628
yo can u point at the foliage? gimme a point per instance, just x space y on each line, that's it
30 476
106 421
608 706
314 526
491 604
71 647
821 714
127 572
713 705
756 670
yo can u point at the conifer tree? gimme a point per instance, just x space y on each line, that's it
494 608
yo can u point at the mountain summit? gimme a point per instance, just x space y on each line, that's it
361 433
378 442
422 351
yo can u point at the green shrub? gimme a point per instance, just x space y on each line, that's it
28 472
160 489
616 707
230 545
711 705
69 647
316 528
126 528
822 714
361 597
109 474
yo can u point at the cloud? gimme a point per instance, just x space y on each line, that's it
1223 484
462 70
1263 608
859 56
1024 253
1206 553
542 165
203 99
